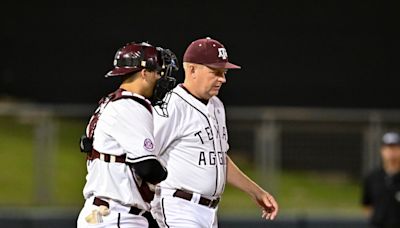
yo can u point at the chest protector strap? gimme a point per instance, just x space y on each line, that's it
86 141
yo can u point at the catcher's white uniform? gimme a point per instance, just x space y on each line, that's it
192 143
125 127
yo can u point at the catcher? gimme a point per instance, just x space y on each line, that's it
119 141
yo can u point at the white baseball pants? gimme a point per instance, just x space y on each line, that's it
174 212
118 217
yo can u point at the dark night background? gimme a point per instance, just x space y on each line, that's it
292 53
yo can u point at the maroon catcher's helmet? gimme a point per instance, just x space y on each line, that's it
134 57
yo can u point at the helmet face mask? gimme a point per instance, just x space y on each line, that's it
166 83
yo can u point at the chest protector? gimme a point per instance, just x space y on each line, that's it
86 140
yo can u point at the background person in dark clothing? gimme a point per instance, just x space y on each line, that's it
381 190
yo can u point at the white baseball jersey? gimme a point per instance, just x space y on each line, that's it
192 143
124 127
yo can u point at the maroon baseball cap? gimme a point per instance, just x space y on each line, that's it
208 52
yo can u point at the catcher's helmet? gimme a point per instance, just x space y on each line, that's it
134 57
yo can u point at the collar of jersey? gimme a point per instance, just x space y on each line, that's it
192 100
127 93
205 102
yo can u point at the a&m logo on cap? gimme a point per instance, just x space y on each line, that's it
222 53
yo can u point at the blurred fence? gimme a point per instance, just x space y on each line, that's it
275 139
338 140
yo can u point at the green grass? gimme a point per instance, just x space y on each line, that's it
298 193
71 168
313 193
68 170
16 158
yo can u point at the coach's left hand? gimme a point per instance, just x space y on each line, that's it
268 204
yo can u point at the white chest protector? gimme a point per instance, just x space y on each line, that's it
192 143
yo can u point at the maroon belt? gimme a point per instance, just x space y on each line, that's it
203 201
100 202
107 157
